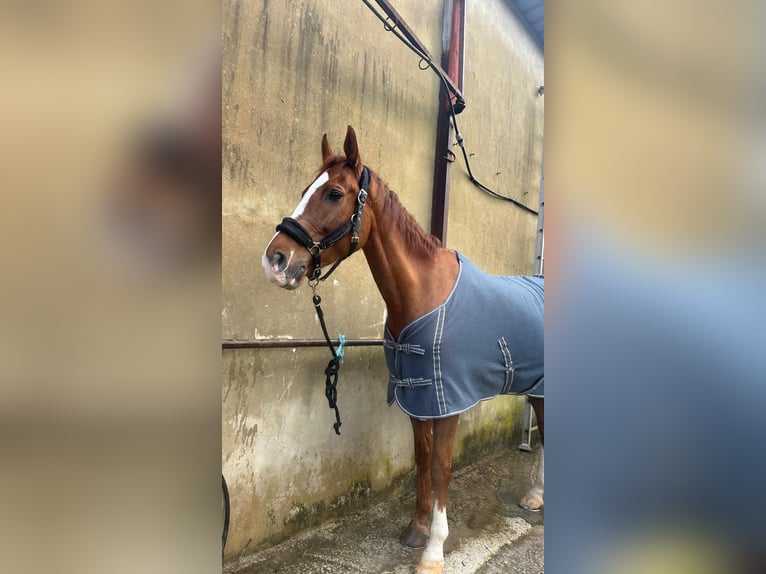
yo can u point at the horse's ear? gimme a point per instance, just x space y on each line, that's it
351 149
326 149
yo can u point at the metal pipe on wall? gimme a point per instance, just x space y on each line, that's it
294 343
540 243
526 427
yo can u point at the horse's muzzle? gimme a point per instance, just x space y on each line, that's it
282 270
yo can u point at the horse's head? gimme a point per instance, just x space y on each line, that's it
327 225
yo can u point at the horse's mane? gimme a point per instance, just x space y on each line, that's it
394 213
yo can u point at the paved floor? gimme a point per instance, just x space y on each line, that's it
489 533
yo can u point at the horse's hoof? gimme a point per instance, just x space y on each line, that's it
430 568
412 537
531 502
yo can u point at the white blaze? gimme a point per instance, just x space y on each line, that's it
319 182
279 277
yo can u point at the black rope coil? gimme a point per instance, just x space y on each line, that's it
332 369
331 389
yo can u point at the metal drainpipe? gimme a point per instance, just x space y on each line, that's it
540 244
526 425
453 41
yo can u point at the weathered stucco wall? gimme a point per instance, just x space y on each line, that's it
292 71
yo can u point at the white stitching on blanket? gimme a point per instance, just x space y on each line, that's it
411 383
437 362
508 365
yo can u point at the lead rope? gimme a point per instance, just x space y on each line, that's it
331 372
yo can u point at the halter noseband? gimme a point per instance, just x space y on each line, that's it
296 231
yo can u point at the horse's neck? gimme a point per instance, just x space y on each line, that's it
411 281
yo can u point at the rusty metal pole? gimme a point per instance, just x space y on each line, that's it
453 41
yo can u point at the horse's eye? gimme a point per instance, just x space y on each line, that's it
334 195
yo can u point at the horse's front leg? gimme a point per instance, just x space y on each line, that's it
416 533
432 561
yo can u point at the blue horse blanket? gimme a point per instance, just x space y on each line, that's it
485 339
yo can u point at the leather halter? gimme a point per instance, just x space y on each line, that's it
296 231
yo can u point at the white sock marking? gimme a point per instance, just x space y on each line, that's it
319 182
434 551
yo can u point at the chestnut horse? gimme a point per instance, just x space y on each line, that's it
347 206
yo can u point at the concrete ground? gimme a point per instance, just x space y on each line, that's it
489 533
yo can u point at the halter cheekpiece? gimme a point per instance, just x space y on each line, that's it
296 231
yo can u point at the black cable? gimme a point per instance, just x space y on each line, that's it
461 103
475 181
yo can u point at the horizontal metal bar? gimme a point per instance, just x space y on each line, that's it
294 343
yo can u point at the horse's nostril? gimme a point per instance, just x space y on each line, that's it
278 261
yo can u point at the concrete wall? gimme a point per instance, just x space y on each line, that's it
292 71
